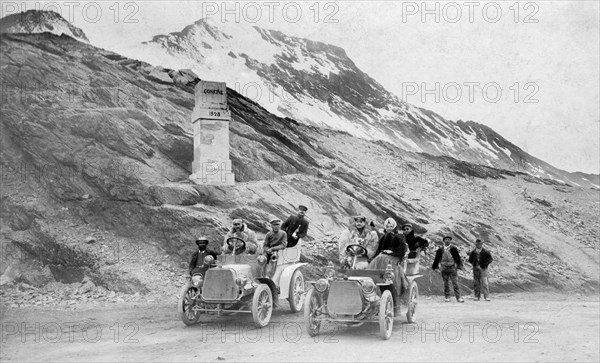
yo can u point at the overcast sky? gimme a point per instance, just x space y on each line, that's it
542 55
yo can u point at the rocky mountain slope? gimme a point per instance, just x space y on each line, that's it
96 204
318 84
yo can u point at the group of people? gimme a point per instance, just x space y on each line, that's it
241 239
381 248
448 261
390 247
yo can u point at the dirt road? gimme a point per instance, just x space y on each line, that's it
519 327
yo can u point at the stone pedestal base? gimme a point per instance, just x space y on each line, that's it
212 172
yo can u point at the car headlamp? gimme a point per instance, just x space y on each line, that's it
197 279
208 260
241 281
368 287
321 285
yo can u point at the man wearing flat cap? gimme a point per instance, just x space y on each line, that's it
197 264
480 258
296 226
275 240
448 257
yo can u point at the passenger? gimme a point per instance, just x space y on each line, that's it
392 249
415 243
359 233
197 263
296 226
275 240
240 229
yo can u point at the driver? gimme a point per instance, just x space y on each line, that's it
197 263
359 233
240 230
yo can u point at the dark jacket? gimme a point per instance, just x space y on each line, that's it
415 242
484 260
393 241
296 224
198 260
455 256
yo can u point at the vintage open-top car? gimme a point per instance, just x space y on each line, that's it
236 283
353 296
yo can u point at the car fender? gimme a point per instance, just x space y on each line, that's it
286 277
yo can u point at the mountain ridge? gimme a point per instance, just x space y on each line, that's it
339 94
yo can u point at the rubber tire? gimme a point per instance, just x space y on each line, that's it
385 301
293 306
182 314
311 302
262 290
412 301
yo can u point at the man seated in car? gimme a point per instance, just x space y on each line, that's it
358 233
275 240
240 230
197 264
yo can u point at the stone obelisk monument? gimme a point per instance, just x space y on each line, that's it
210 121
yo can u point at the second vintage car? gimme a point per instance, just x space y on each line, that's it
354 297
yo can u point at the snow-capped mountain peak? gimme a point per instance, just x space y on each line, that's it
37 21
318 84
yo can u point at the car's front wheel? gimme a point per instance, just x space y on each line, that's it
386 315
262 305
311 305
186 304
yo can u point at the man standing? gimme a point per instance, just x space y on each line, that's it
415 243
480 258
449 258
296 226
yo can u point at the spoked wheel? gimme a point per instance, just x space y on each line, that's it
386 315
413 301
186 304
311 305
296 294
262 305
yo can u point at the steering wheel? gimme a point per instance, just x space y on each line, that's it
356 250
233 243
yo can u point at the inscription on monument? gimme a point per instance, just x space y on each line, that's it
210 121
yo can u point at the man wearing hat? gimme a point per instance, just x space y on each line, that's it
240 229
296 226
358 233
414 242
480 258
448 256
197 263
275 240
